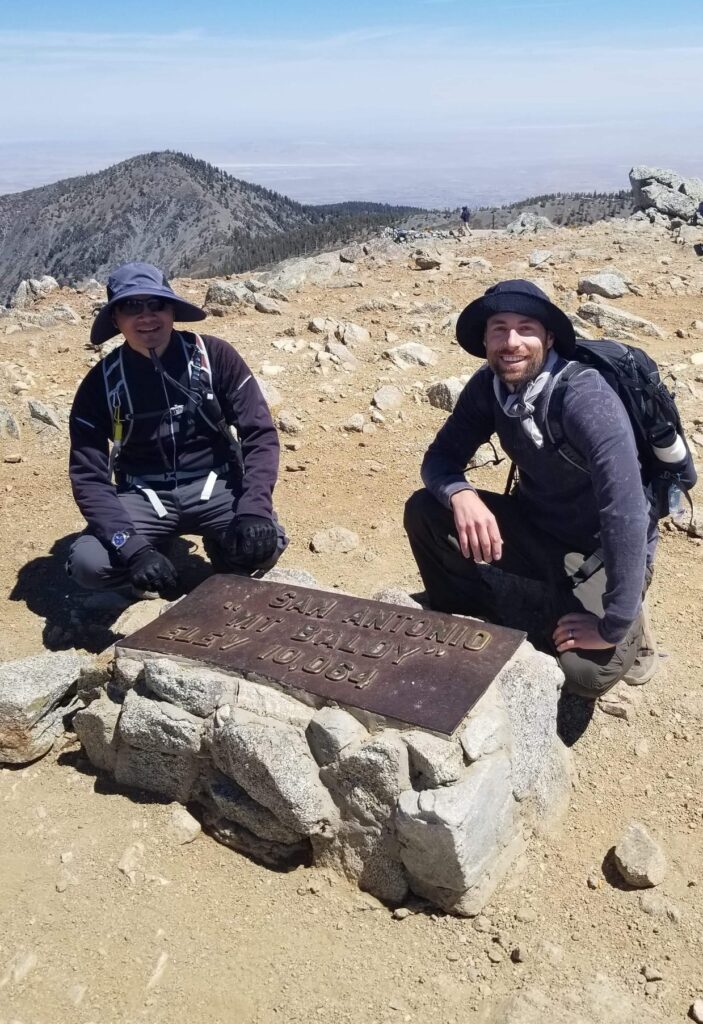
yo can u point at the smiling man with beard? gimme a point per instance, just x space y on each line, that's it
583 540
153 455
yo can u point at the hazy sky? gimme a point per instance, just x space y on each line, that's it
405 97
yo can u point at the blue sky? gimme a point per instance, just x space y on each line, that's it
509 90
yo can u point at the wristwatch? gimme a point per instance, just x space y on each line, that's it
119 539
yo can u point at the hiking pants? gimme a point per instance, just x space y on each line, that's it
530 587
92 565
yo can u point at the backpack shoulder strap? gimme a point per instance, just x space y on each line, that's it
117 392
554 411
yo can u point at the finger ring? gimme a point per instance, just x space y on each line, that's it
571 634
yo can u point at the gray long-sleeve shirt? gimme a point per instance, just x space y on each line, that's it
605 507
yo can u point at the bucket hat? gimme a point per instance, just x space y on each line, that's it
514 297
139 279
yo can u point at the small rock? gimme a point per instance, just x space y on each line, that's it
355 423
337 540
652 973
288 422
423 261
696 1011
594 882
388 398
400 913
264 305
639 858
517 955
526 915
184 826
605 283
538 257
444 394
496 955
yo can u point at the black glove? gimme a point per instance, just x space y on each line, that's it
251 540
150 570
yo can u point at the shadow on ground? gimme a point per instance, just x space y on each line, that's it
74 617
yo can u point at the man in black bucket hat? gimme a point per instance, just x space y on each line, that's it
565 554
153 455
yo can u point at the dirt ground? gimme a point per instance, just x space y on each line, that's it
197 932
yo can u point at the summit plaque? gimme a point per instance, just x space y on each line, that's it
422 668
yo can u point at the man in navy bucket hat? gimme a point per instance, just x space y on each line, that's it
566 554
153 455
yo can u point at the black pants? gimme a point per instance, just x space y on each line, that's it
530 588
95 567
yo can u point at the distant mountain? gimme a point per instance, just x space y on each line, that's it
566 209
185 215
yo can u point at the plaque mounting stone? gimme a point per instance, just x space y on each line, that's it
418 667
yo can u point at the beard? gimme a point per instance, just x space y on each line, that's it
517 375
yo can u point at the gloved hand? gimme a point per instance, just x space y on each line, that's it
251 540
150 570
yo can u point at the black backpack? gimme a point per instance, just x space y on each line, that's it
656 423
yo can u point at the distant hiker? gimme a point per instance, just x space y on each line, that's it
157 412
465 218
588 534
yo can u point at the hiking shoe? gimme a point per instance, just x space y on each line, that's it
646 663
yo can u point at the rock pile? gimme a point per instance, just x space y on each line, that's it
666 197
396 809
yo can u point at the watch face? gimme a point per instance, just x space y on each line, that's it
119 539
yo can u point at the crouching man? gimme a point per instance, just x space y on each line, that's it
156 412
586 536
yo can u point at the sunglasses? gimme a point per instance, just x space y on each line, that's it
133 307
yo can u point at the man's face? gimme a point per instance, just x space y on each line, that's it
516 347
146 322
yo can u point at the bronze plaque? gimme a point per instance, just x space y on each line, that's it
419 667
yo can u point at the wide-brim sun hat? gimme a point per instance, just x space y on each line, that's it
130 280
516 296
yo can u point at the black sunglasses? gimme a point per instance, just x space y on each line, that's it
133 307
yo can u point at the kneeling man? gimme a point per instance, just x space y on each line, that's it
588 537
156 414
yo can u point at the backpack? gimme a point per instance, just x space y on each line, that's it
200 397
650 406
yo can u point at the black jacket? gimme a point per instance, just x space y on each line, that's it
165 438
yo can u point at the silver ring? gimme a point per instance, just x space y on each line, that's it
571 634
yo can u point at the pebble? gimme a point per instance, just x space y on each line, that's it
400 913
517 955
482 923
652 973
496 955
594 882
651 988
696 1011
526 915
12 458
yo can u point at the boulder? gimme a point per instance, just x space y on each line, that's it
367 781
96 728
273 764
450 836
411 355
33 697
609 285
233 803
424 261
228 293
670 202
331 731
434 761
351 334
616 323
529 224
199 691
265 305
153 725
